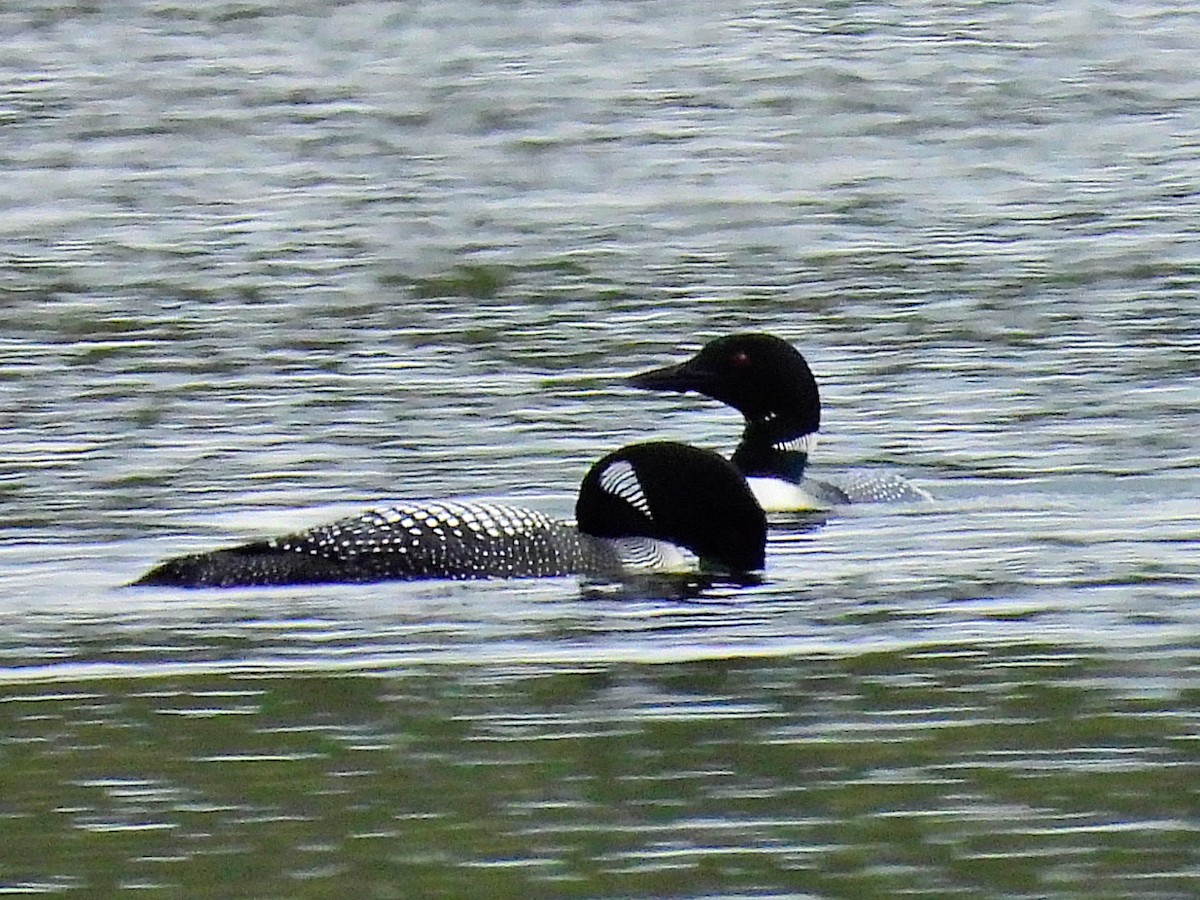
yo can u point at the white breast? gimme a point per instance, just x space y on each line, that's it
777 495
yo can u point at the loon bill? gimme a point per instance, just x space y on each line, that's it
769 382
658 506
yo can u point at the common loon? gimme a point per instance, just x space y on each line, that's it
770 384
657 506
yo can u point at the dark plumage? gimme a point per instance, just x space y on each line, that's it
636 507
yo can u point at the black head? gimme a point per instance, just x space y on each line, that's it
678 493
761 376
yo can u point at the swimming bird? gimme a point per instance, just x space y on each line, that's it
652 507
770 383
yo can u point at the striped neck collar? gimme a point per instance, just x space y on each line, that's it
786 459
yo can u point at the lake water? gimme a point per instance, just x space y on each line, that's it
264 264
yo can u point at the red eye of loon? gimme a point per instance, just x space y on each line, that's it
741 359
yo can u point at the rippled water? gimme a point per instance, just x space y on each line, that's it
262 265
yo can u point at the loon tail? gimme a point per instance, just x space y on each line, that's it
257 563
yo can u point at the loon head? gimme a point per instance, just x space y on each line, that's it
761 376
769 383
678 494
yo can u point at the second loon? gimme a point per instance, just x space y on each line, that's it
769 382
639 510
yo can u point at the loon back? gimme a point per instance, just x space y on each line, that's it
620 508
409 541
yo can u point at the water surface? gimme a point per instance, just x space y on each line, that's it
262 266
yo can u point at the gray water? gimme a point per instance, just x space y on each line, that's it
262 265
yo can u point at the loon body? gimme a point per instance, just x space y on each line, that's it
638 510
770 384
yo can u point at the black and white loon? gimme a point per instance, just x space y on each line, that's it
658 506
770 384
